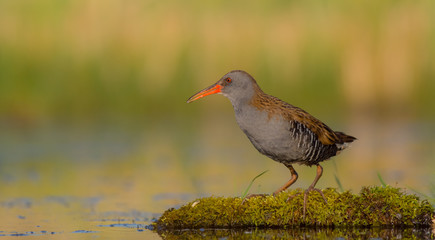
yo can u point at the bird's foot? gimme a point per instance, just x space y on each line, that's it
254 195
293 196
306 196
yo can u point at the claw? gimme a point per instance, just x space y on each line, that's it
293 196
306 196
254 195
321 193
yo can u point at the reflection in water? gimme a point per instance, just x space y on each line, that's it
109 182
301 233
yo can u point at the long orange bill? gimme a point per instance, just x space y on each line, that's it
215 88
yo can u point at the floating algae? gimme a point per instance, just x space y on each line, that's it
373 207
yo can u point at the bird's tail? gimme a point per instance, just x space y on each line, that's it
344 137
345 141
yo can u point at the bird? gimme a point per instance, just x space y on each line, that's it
277 129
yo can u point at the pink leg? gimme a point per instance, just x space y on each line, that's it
292 180
311 187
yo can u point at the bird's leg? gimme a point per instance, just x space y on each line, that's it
292 180
254 195
311 187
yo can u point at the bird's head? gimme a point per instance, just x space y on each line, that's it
236 85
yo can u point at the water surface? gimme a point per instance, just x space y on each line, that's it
111 182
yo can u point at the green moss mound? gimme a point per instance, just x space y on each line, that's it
374 206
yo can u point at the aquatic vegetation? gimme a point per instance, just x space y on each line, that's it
373 207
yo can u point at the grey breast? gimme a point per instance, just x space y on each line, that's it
271 135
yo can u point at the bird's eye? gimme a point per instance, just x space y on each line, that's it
228 80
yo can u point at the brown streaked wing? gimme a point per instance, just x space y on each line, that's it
325 135
276 106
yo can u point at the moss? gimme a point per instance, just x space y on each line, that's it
374 206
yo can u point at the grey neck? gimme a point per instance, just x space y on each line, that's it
242 97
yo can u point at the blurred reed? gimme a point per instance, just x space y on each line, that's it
91 60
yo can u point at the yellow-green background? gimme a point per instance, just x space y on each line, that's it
92 95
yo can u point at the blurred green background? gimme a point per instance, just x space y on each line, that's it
93 61
92 94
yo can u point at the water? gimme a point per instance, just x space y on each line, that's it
71 217
300 233
111 182
89 218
